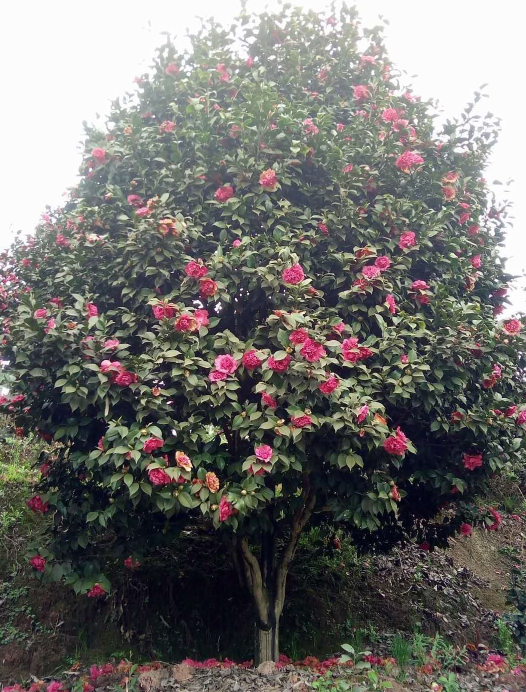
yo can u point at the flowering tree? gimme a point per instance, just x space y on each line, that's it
273 297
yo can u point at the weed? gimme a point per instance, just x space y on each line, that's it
449 683
328 683
355 656
402 651
505 641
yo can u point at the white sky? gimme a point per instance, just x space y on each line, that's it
63 62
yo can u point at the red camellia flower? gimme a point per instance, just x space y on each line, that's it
473 230
158 477
269 180
172 69
18 398
472 461
408 160
293 275
396 444
125 378
222 194
510 411
225 509
476 262
407 240
362 413
382 263
36 504
186 323
312 351
99 154
521 418
280 365
92 310
264 452
40 314
131 564
61 240
38 563
456 416
151 444
303 421
196 270
466 529
497 519
361 92
207 288
449 192
96 592
299 336
250 360
161 311
212 482
167 126
183 461
391 302
272 403
512 327
395 494
323 228
330 384
226 364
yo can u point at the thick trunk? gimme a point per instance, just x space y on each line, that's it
266 645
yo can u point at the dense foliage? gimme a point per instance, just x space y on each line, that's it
273 295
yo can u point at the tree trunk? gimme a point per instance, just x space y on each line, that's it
266 645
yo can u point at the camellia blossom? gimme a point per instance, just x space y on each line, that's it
151 444
223 194
512 327
272 403
183 461
51 324
303 421
40 314
226 364
280 365
125 378
451 177
408 160
407 240
473 230
212 482
476 262
172 69
312 351
395 493
226 509
299 336
207 288
99 154
201 318
250 360
449 192
396 444
38 563
96 592
186 323
131 564
158 477
36 504
161 311
371 271
195 270
497 519
167 126
216 376
521 418
382 263
391 302
361 92
472 461
92 310
330 384
269 180
419 285
323 228
293 275
264 452
466 529
348 168
389 115
510 411
362 413
134 200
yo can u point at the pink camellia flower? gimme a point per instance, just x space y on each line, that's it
312 351
158 477
465 216
216 376
172 69
293 275
110 366
303 421
207 288
151 444
222 194
167 126
407 240
100 444
269 180
339 328
330 384
61 240
143 211
521 418
473 230
186 323
339 127
391 302
264 452
40 314
92 310
476 262
161 311
419 285
511 327
382 263
125 378
249 62
36 504
510 411
54 686
348 168
225 509
111 343
367 60
497 519
212 482
96 592
395 493
299 336
131 564
449 192
361 92
323 228
195 270
451 177
280 365
389 115
404 358
201 317
134 200
51 324
408 160
269 401
250 360
183 461
236 243
38 563
396 444
350 351
26 262
472 461
226 364
18 398
466 529
310 128
371 271
99 154
362 413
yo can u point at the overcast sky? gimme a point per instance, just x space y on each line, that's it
63 62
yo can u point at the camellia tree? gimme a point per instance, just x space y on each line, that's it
273 298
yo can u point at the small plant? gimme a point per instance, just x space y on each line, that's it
505 641
373 682
448 655
421 645
328 683
449 683
355 657
402 651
